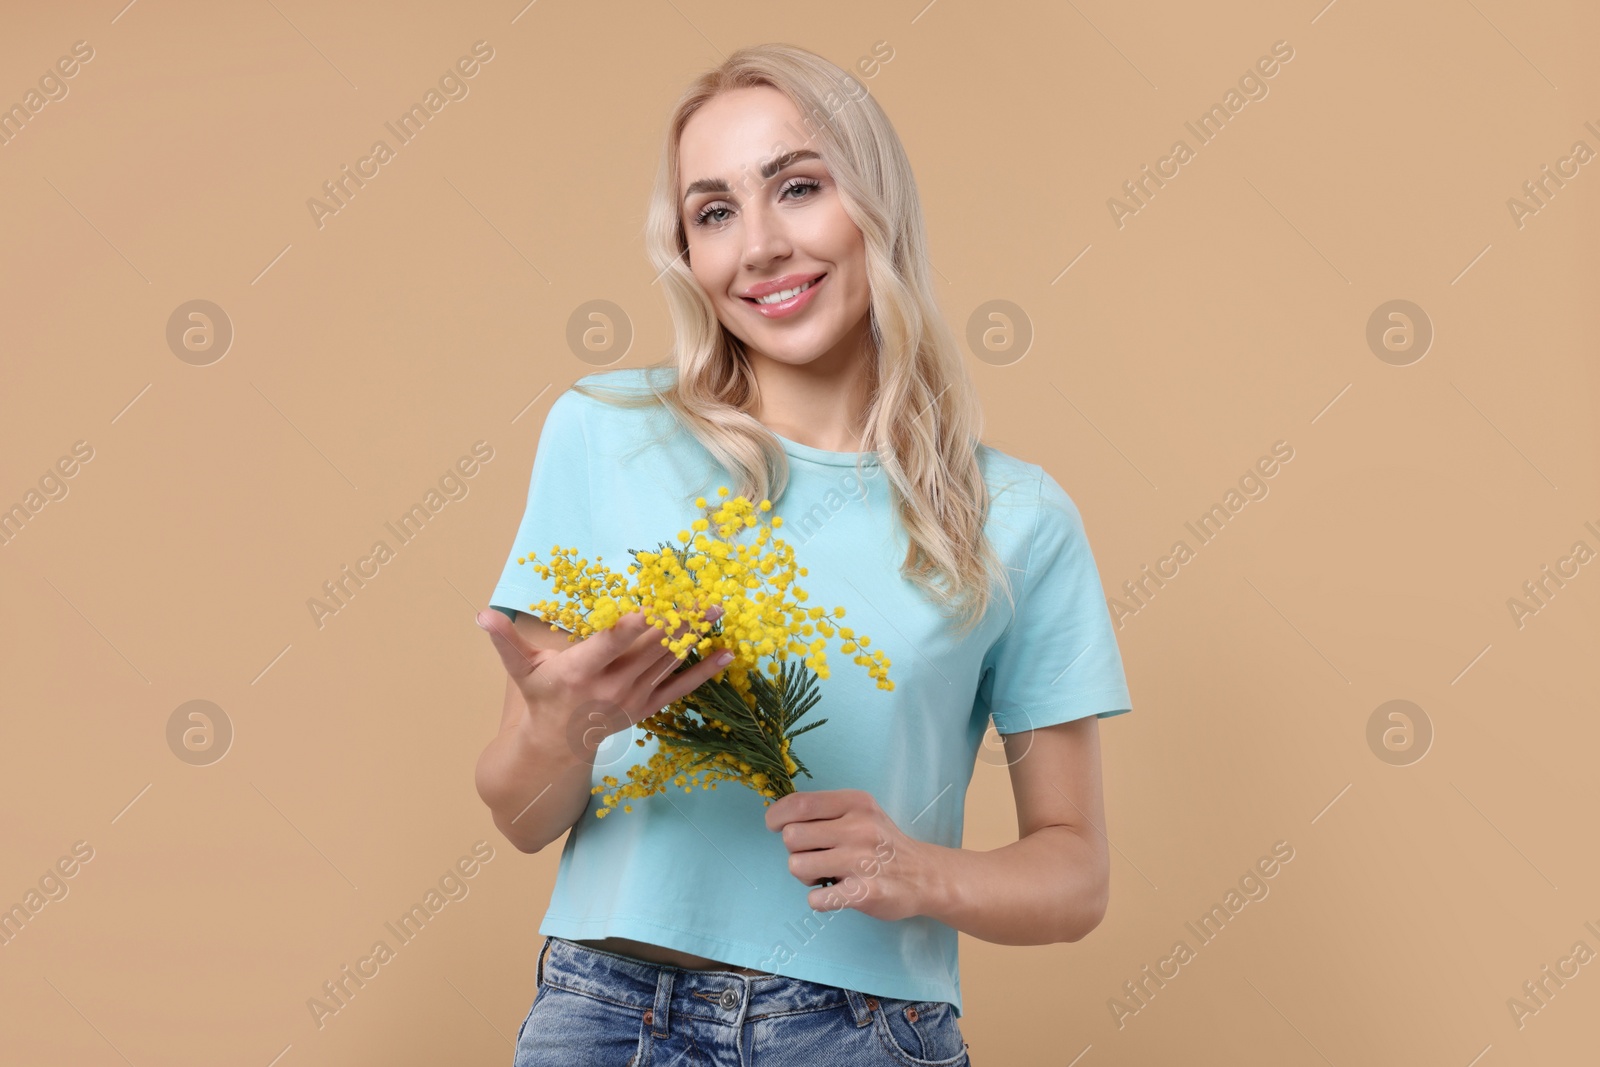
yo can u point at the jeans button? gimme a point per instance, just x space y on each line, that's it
730 999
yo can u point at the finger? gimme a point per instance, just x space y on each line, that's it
653 655
816 866
655 664
520 658
820 900
641 641
806 836
824 880
602 648
684 682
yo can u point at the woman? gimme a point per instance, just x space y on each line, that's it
812 368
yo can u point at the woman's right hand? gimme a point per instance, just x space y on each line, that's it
602 684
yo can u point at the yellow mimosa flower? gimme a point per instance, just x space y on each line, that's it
778 653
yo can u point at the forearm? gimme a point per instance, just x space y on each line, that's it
1050 886
534 783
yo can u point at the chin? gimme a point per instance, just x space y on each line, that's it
793 359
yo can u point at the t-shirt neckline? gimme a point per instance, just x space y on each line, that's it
806 452
822 455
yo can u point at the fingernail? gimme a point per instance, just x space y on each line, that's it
478 618
722 658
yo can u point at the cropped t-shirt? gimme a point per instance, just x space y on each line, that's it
699 871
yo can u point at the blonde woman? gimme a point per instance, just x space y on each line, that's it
810 367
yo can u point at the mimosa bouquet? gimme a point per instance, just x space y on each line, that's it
738 725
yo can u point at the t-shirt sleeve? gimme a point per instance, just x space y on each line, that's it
557 511
1058 658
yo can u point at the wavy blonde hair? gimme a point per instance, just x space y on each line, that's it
923 418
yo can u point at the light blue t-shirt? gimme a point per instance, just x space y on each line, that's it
700 872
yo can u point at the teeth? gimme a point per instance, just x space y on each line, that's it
786 294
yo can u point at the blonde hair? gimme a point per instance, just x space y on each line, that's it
923 418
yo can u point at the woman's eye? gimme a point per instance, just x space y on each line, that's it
705 215
802 183
706 212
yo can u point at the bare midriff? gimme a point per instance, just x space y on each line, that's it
643 950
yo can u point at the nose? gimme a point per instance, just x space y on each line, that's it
765 236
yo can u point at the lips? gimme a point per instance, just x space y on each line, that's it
792 305
777 285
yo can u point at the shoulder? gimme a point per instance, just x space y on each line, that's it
626 382
1026 496
601 400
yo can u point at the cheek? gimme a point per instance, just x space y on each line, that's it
860 291
848 250
708 271
844 242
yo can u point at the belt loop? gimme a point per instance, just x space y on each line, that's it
539 981
659 1015
859 1007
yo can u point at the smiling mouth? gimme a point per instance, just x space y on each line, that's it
786 294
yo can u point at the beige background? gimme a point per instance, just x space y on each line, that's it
432 312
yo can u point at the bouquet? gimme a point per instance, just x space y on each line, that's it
740 724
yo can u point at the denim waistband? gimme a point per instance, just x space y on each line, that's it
662 992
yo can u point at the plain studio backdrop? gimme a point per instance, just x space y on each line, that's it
224 387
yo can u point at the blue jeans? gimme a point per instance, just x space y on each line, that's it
600 1009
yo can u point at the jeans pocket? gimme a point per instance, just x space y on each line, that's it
528 1016
921 1033
566 1028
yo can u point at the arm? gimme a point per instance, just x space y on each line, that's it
535 784
562 701
1053 883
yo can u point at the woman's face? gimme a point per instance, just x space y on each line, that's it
750 228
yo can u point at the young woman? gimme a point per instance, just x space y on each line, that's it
812 368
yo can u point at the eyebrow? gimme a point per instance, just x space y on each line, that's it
768 169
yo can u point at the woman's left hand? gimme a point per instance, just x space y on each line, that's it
844 834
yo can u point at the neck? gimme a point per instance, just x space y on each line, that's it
821 403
